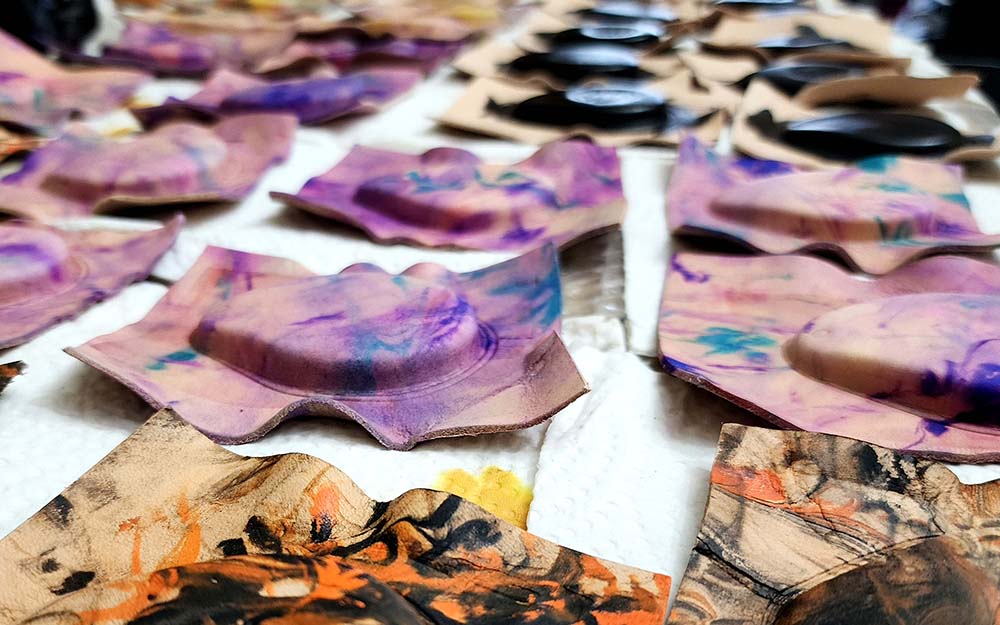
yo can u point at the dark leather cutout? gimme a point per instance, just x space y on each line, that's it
576 62
606 108
629 12
638 35
757 4
790 78
852 136
805 38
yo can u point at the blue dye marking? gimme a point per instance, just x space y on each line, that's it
675 365
877 164
759 168
893 187
957 198
935 428
184 355
426 184
902 236
545 295
731 341
688 275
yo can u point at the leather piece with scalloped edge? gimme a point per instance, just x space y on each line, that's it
170 527
51 275
446 197
877 216
759 332
84 172
423 354
805 528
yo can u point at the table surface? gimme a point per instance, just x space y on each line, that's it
622 473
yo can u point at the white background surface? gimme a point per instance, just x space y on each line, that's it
622 473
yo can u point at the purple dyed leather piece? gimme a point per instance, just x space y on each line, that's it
448 197
345 48
243 342
155 48
311 100
907 360
50 275
41 96
83 173
878 215
164 46
934 354
320 100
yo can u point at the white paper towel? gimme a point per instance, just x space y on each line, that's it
623 473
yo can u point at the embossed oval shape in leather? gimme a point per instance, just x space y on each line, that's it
630 12
937 354
607 108
790 78
805 38
34 262
330 344
638 35
851 136
578 61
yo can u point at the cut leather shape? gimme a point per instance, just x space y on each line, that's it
39 96
440 20
553 26
51 275
757 4
574 62
243 342
315 101
566 66
83 172
764 115
792 77
632 115
776 34
850 136
203 106
448 197
345 48
193 45
625 11
805 38
805 528
638 35
8 372
412 23
831 349
739 67
729 324
877 216
311 100
12 143
169 498
887 90
605 108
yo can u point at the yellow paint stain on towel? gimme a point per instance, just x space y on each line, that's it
497 490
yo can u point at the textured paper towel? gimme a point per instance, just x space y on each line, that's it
623 473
